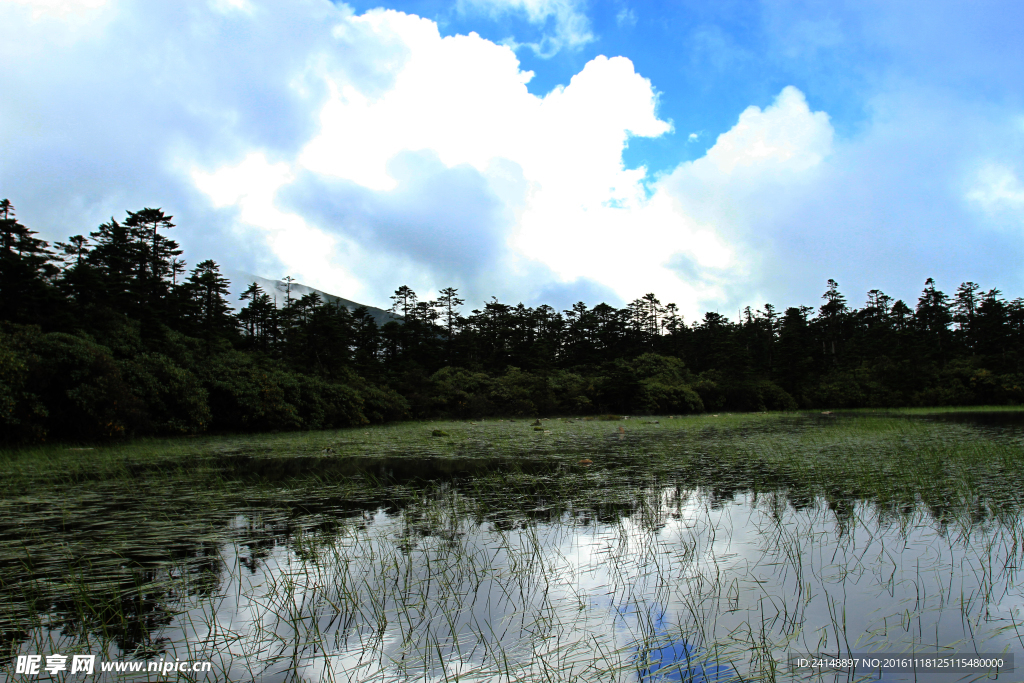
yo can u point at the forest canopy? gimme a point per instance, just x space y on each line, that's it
110 334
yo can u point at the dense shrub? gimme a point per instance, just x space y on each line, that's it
514 392
458 392
650 383
245 396
568 393
78 390
656 397
22 415
324 404
175 402
774 397
709 386
383 404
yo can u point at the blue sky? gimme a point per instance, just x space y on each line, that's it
719 154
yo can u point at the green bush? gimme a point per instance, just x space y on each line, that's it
247 397
460 393
323 404
774 397
175 400
667 370
79 385
709 387
22 415
568 393
383 404
656 397
513 393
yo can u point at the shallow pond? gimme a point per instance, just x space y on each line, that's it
686 549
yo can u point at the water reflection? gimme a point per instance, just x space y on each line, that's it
677 590
680 661
708 567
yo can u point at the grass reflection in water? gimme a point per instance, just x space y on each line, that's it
702 549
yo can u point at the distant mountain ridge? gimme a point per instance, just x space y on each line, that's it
278 290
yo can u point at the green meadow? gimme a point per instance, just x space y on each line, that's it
698 548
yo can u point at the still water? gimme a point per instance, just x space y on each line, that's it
668 553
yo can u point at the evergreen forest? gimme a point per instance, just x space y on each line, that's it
111 335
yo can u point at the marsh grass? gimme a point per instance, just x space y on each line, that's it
700 548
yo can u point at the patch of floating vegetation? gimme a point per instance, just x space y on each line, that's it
692 549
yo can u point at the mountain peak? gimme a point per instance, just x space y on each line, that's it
278 291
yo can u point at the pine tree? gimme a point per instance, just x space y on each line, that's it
115 255
403 300
26 270
206 305
965 308
448 306
932 318
832 321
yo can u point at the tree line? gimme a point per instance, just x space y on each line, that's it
111 334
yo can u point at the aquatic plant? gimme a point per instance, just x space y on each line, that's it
698 548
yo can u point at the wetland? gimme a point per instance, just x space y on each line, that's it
704 548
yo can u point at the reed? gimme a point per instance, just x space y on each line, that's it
700 548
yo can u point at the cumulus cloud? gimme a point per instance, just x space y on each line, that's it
463 172
748 178
784 137
913 195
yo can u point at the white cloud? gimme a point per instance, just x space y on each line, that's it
554 161
232 6
625 17
251 187
571 28
786 136
996 187
717 206
688 241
